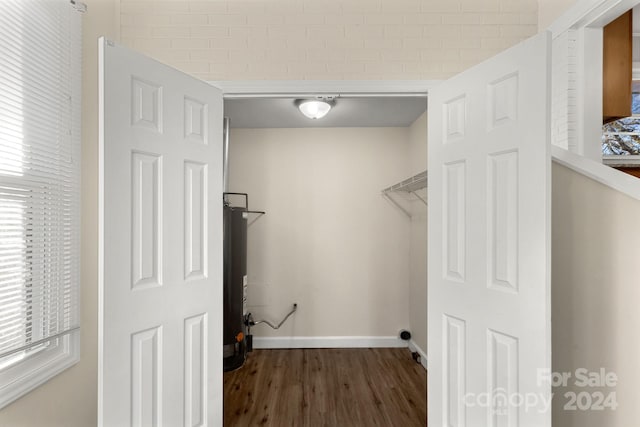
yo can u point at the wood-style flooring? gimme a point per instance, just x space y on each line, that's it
327 387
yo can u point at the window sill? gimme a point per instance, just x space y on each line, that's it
33 371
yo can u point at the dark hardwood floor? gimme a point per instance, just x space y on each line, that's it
327 387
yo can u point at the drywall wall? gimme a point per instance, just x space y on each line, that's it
595 295
329 241
327 40
418 236
550 10
70 399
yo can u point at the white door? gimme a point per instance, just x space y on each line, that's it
160 301
489 242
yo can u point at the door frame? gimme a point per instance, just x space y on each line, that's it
587 19
590 14
239 89
354 88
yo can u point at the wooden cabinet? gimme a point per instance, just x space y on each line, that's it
617 66
631 170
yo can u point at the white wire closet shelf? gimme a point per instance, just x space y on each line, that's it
409 186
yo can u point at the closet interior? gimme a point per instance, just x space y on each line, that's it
338 257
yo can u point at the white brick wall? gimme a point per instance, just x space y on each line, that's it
325 39
563 90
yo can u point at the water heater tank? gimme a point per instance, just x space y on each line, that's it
235 286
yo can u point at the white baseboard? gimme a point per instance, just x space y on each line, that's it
423 356
326 342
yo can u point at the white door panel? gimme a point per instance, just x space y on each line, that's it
489 240
160 332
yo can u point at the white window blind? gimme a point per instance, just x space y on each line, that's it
40 65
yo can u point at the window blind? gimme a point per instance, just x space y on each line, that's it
40 66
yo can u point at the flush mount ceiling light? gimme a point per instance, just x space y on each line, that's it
315 108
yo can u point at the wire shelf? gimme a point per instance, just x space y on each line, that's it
408 186
415 183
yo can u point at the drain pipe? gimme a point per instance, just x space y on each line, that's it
225 154
253 323
248 320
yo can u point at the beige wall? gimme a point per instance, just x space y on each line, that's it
550 10
326 40
329 241
595 293
70 399
418 236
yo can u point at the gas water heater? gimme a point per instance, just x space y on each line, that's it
237 322
237 339
235 283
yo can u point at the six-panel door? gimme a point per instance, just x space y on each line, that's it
489 243
161 232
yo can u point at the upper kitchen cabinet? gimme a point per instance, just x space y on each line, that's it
617 68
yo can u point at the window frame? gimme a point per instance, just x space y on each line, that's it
39 367
48 352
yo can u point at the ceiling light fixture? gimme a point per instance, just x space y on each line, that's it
315 108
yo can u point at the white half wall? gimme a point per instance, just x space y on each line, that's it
329 241
595 295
